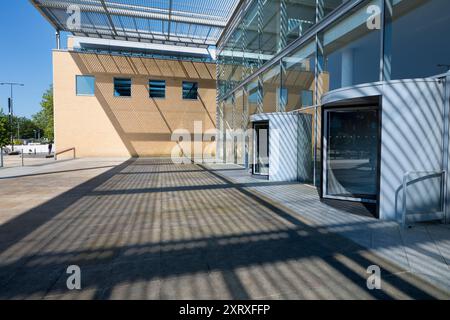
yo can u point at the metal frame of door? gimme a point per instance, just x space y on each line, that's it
325 151
255 147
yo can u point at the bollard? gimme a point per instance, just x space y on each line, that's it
1 157
22 157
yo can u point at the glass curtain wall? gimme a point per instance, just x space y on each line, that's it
299 84
254 99
240 127
300 16
350 55
251 40
325 7
253 104
299 77
415 45
228 126
266 28
351 51
345 53
270 43
272 91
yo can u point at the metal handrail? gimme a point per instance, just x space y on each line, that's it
425 175
65 151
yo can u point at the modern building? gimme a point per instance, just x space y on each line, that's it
111 104
349 96
137 78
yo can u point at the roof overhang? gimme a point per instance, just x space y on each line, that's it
197 23
106 45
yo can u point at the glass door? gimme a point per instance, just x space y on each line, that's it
351 145
261 149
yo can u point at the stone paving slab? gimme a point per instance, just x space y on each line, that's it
151 229
423 250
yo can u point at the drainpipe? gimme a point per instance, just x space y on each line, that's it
58 39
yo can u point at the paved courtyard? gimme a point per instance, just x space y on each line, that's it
151 229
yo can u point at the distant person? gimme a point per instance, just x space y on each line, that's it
50 147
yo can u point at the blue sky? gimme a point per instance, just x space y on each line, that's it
26 42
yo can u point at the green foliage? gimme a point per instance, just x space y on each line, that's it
44 118
4 132
25 127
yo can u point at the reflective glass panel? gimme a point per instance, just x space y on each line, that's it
271 89
352 153
298 79
416 39
85 85
351 51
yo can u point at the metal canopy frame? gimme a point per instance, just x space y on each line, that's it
197 23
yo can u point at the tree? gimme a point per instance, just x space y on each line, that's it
4 132
25 126
44 118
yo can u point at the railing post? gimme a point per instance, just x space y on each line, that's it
65 151
427 174
405 185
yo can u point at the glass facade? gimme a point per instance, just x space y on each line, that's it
350 53
299 77
271 89
415 45
325 7
240 126
254 97
339 43
266 28
228 114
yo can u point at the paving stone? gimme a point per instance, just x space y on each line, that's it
149 229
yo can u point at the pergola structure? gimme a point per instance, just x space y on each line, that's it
197 23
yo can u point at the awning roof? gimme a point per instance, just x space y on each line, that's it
188 22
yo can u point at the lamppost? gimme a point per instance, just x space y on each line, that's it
11 109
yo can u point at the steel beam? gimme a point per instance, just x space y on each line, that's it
138 12
108 16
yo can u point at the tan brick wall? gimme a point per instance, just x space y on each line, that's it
104 125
